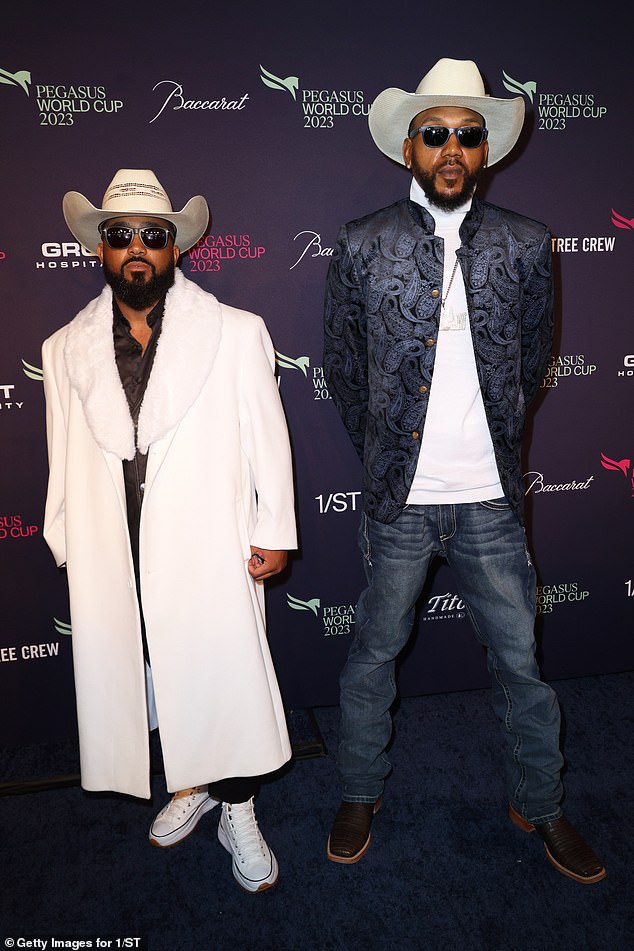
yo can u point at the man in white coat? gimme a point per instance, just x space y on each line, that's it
170 500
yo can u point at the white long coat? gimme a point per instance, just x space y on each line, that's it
214 428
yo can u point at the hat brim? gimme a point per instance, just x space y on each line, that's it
393 110
84 219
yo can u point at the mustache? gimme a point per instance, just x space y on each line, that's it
135 257
450 163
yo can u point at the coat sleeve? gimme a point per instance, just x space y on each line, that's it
265 441
345 341
537 319
54 514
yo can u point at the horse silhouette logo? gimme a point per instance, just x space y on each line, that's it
621 465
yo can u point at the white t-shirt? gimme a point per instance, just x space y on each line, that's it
456 461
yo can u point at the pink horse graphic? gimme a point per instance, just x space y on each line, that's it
623 465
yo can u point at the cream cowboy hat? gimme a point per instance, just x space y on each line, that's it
451 82
134 191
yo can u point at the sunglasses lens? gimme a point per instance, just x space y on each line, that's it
470 136
155 239
434 136
118 238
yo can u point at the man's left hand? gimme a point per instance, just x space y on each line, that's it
264 563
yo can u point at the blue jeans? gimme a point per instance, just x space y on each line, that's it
485 546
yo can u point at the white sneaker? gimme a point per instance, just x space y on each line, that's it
180 816
254 865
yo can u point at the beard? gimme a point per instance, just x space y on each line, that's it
445 202
137 292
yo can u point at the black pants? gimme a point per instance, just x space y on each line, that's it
237 789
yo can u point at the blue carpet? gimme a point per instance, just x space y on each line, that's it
446 869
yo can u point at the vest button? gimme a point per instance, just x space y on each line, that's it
414 435
435 292
430 342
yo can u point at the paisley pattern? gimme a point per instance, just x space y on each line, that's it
382 311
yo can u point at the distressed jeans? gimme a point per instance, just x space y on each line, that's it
485 546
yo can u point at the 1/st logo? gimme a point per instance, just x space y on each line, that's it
337 502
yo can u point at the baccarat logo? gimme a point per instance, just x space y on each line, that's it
624 466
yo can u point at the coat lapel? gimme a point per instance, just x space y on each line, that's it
187 348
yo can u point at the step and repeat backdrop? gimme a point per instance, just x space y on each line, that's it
264 112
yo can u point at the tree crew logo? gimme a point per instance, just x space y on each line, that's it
623 466
554 109
335 619
320 107
35 651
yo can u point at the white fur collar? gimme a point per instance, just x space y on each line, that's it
185 354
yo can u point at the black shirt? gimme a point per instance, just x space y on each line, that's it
135 365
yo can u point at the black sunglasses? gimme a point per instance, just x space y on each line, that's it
119 237
435 136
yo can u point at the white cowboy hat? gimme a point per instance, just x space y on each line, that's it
134 191
451 82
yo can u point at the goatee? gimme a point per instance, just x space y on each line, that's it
446 202
136 292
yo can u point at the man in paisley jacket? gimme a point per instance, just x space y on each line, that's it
438 331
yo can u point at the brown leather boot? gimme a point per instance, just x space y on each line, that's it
566 850
349 838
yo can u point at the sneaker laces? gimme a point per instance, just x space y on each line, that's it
245 830
181 802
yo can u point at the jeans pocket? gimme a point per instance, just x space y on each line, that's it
496 505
